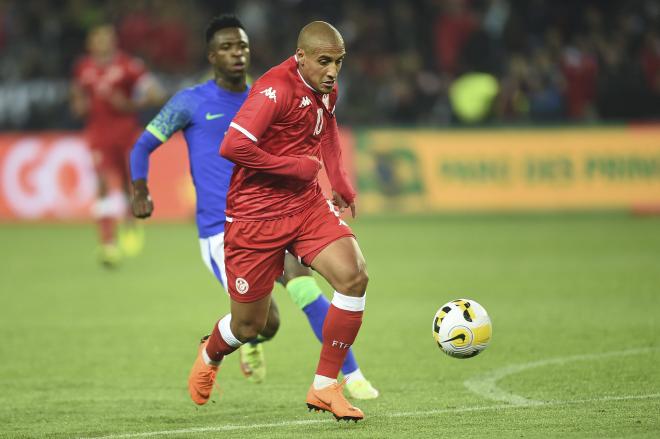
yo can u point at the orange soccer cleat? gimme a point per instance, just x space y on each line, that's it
331 399
202 377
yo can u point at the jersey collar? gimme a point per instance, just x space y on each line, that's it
301 77
220 90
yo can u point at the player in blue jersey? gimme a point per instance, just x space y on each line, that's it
203 113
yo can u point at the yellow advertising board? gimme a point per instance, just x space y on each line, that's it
508 170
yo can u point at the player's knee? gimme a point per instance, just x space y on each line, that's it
355 284
249 329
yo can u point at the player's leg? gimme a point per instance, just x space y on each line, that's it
250 275
252 360
110 204
341 263
307 295
244 323
130 231
328 245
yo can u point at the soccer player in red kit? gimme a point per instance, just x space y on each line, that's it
277 140
108 89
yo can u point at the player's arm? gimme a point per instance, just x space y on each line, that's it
263 107
78 100
141 202
342 189
175 115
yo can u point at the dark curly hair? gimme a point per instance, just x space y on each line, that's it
221 22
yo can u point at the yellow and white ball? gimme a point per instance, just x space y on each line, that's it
462 328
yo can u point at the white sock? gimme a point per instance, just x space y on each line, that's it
113 205
320 381
354 376
348 303
224 326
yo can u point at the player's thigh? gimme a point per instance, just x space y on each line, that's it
342 264
320 227
327 244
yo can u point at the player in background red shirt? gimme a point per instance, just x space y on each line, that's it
108 89
274 204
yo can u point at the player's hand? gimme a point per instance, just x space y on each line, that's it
141 203
341 204
309 167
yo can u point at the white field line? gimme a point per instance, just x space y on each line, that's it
510 406
486 385
327 419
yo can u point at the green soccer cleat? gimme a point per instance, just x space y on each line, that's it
131 239
253 364
109 255
361 389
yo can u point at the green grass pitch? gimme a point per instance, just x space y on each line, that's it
574 300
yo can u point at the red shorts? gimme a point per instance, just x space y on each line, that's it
254 250
110 151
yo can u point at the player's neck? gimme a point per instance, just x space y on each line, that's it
237 85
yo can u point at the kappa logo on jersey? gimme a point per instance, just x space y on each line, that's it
270 93
305 101
242 285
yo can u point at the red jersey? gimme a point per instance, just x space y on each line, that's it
100 81
282 120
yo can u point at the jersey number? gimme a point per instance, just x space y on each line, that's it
319 121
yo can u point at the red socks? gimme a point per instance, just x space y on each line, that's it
222 341
339 331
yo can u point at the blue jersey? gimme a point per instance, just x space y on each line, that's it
203 113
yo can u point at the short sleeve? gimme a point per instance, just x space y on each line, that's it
174 116
267 101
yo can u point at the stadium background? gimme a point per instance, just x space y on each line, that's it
433 69
459 119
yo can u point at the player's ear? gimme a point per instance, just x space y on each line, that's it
210 55
300 56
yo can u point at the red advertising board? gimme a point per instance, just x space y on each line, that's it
49 176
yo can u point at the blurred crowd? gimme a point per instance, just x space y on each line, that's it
417 62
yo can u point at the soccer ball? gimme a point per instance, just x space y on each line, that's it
462 328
